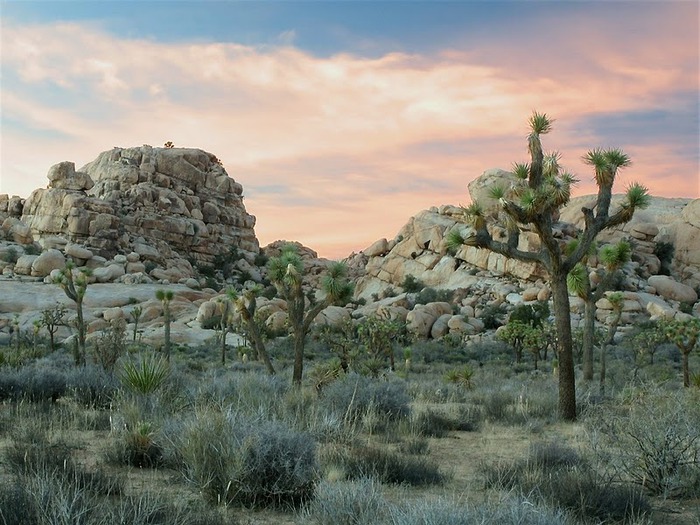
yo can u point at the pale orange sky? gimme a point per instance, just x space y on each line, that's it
336 148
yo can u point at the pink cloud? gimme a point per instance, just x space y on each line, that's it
346 134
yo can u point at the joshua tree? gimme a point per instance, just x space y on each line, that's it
165 296
245 304
287 273
51 319
543 188
685 335
75 285
136 317
613 258
617 301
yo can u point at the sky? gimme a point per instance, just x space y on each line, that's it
343 119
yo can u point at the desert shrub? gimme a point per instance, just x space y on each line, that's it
530 314
32 249
10 255
35 382
438 423
351 396
556 475
32 454
493 316
411 284
357 502
357 462
16 505
414 446
509 511
653 442
93 387
238 460
110 345
431 295
136 447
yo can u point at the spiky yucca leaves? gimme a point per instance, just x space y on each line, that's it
144 374
540 123
475 215
577 280
615 256
454 240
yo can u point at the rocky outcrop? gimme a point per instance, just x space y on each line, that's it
162 203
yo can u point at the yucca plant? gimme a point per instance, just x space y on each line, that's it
144 374
461 377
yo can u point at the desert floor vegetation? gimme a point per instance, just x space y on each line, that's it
456 434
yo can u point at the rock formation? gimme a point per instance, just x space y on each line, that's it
162 203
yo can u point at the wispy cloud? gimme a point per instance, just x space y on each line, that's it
337 151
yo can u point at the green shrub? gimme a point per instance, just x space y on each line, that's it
509 511
10 255
357 502
412 285
653 441
493 317
351 396
236 460
431 295
556 475
136 447
144 374
32 249
388 467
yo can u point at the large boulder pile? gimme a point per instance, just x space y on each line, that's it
161 203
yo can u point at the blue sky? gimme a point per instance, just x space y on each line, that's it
343 119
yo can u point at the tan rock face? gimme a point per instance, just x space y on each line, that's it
159 203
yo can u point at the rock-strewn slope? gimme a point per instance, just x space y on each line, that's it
162 203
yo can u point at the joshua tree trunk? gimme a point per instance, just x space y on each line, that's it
81 333
588 334
166 314
562 315
298 357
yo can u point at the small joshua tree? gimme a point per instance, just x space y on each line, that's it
74 284
165 296
51 319
613 258
617 300
136 317
685 335
245 304
287 274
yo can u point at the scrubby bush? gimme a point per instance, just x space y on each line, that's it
411 284
653 441
357 462
558 476
351 396
238 460
356 502
509 511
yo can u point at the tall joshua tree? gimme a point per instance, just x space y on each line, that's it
543 189
165 296
74 285
287 274
613 258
